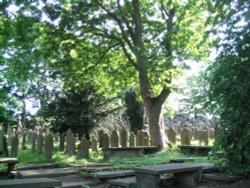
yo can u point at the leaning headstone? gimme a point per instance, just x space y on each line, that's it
49 145
61 143
40 142
1 139
115 139
84 148
94 144
185 136
14 144
132 140
124 138
105 140
172 135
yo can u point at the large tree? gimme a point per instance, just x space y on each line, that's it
143 40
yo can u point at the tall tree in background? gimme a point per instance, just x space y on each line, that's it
229 87
143 40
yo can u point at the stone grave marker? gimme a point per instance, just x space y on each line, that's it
105 140
185 136
49 146
70 143
132 140
33 141
172 135
61 143
115 139
14 144
94 143
124 138
84 148
139 138
40 141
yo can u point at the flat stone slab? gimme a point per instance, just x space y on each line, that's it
8 160
30 183
37 166
124 182
198 150
168 168
182 160
72 185
112 174
221 177
90 165
46 173
96 169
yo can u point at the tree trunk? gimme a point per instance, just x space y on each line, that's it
156 124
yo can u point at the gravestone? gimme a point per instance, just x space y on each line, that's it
33 141
105 140
40 141
172 135
94 144
185 136
24 135
146 139
132 140
196 133
204 137
115 139
1 139
124 138
14 144
61 143
100 138
212 133
139 138
70 143
84 148
49 146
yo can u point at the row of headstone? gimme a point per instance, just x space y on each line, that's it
187 134
121 139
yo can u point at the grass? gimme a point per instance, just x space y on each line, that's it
27 157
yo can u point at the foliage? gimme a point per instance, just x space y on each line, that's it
134 110
229 89
79 109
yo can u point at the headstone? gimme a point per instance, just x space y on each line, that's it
70 143
139 138
185 136
204 137
1 139
115 139
172 135
94 144
212 133
132 140
84 148
33 141
105 141
62 140
40 142
124 138
24 135
49 146
14 144
100 138
146 139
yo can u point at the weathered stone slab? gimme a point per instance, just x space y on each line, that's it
37 166
96 169
129 151
77 165
72 185
46 173
112 174
181 160
30 183
198 150
168 168
221 177
11 163
123 182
